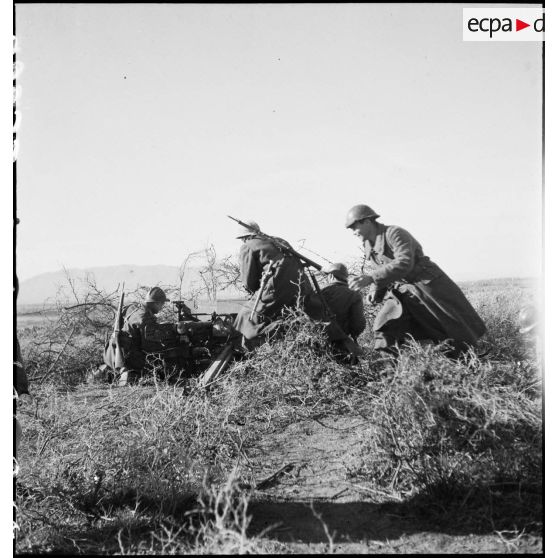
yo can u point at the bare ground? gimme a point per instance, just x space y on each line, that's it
307 504
304 502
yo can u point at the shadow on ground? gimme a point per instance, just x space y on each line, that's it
481 512
484 512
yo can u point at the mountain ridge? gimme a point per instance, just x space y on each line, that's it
47 286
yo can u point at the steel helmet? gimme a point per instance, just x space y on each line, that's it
156 294
243 231
358 212
338 270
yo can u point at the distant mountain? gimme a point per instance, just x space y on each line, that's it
46 286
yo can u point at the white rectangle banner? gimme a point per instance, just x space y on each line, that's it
503 24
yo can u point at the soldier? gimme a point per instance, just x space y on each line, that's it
21 387
274 277
137 336
21 382
346 304
419 299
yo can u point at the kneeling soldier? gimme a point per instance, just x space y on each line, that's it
344 303
274 277
139 321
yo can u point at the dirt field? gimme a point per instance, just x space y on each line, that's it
289 452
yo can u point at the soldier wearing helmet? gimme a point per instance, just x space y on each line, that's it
244 232
139 323
346 304
273 277
418 298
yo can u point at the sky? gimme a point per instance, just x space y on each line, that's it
144 125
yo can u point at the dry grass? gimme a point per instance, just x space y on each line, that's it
150 470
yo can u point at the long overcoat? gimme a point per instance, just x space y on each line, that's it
423 291
284 285
134 338
347 307
21 383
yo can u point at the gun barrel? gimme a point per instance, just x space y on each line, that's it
306 260
289 249
118 318
118 356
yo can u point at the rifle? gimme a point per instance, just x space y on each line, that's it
335 329
263 282
115 341
217 366
280 243
301 245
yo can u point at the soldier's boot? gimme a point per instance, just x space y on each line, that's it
124 379
98 375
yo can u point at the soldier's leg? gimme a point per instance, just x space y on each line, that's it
134 362
236 339
254 343
123 377
391 325
429 331
18 433
457 349
247 330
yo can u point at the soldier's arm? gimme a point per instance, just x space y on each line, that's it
22 383
250 269
131 338
403 247
147 318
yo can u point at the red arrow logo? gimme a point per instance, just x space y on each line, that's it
519 25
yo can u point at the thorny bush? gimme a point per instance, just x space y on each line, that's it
123 470
460 431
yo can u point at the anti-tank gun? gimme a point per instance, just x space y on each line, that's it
206 337
194 340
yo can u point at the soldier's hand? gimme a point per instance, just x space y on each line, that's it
357 283
375 294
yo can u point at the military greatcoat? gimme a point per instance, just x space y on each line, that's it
280 276
421 299
139 322
21 383
347 307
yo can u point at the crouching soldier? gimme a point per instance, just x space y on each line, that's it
274 277
21 387
138 335
418 298
346 308
344 303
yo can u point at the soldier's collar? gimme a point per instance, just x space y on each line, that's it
376 248
380 238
